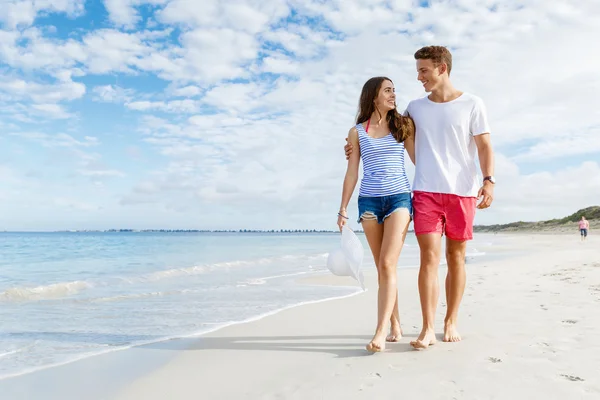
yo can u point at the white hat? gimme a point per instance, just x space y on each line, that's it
346 260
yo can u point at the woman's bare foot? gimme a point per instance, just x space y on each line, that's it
425 339
451 334
377 344
395 334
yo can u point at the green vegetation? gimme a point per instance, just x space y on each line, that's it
590 213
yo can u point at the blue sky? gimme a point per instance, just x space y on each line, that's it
227 115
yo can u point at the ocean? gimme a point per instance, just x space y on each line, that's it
66 296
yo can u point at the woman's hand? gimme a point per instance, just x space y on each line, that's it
342 218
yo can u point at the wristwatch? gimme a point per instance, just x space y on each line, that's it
490 178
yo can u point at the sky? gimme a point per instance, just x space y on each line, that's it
212 114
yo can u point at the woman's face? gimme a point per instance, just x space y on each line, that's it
386 98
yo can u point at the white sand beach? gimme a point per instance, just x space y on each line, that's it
530 325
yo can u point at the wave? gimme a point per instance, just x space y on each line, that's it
44 292
139 296
201 269
66 289
11 352
263 280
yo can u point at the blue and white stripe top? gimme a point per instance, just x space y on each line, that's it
383 165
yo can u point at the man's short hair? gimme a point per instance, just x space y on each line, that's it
437 54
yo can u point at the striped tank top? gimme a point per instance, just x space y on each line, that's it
383 165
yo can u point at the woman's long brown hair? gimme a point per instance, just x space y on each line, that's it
400 126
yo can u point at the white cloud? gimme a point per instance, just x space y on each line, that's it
112 94
174 106
187 91
217 54
56 140
280 65
542 194
302 41
30 50
250 16
109 51
234 97
40 93
53 111
14 13
560 147
123 12
107 173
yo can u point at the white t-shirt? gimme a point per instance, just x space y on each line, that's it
445 149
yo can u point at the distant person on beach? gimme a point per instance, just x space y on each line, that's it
584 226
451 130
381 135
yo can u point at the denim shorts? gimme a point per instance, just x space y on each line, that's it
382 207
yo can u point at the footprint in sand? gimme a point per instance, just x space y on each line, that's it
546 347
495 360
543 307
370 383
570 321
573 378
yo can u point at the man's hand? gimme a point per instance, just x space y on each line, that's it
348 149
486 193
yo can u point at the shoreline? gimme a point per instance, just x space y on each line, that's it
194 335
165 361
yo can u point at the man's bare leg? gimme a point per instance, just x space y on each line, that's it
430 246
455 286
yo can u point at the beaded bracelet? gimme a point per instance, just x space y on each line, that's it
343 216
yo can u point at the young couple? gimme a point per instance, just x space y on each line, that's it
442 134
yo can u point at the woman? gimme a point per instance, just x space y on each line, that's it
584 225
384 204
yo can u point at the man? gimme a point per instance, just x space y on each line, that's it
451 130
584 225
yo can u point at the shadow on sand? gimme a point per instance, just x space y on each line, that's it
341 346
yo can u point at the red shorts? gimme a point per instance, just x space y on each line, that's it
444 213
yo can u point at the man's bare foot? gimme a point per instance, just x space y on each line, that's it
425 339
451 334
376 344
395 334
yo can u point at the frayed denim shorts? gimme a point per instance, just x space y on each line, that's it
382 207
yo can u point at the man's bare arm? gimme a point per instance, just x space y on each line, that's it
486 162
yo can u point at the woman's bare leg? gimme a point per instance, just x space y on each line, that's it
394 231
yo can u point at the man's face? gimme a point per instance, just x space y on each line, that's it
428 74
